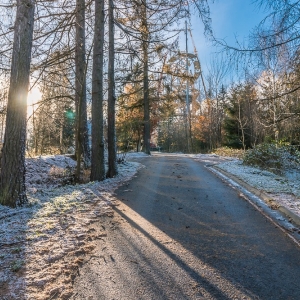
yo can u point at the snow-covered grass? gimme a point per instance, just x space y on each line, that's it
211 158
48 171
262 179
136 154
43 243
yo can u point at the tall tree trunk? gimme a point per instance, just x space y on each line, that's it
111 110
145 45
82 142
12 179
97 162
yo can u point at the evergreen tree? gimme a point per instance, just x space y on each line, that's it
97 159
12 178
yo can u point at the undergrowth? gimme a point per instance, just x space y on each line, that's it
226 151
272 157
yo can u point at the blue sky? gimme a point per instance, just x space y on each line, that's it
231 19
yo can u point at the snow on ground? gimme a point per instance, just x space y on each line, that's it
46 171
284 189
43 243
211 158
136 155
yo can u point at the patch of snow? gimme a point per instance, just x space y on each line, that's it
42 243
261 179
48 170
136 154
212 158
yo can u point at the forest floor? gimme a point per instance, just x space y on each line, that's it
44 243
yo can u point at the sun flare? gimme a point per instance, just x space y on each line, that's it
34 96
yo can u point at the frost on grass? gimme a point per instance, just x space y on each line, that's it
43 243
50 170
274 158
136 155
212 158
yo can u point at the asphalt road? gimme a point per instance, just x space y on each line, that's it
182 233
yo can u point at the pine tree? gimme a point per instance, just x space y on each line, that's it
12 178
111 107
82 141
97 159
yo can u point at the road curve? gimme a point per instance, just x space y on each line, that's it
181 233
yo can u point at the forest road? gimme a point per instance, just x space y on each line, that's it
181 233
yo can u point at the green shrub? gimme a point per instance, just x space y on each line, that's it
272 157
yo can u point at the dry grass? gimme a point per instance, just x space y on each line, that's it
230 152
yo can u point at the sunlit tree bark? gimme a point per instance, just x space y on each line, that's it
12 179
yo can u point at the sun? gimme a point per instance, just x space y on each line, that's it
34 96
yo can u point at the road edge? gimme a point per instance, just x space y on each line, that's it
280 216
